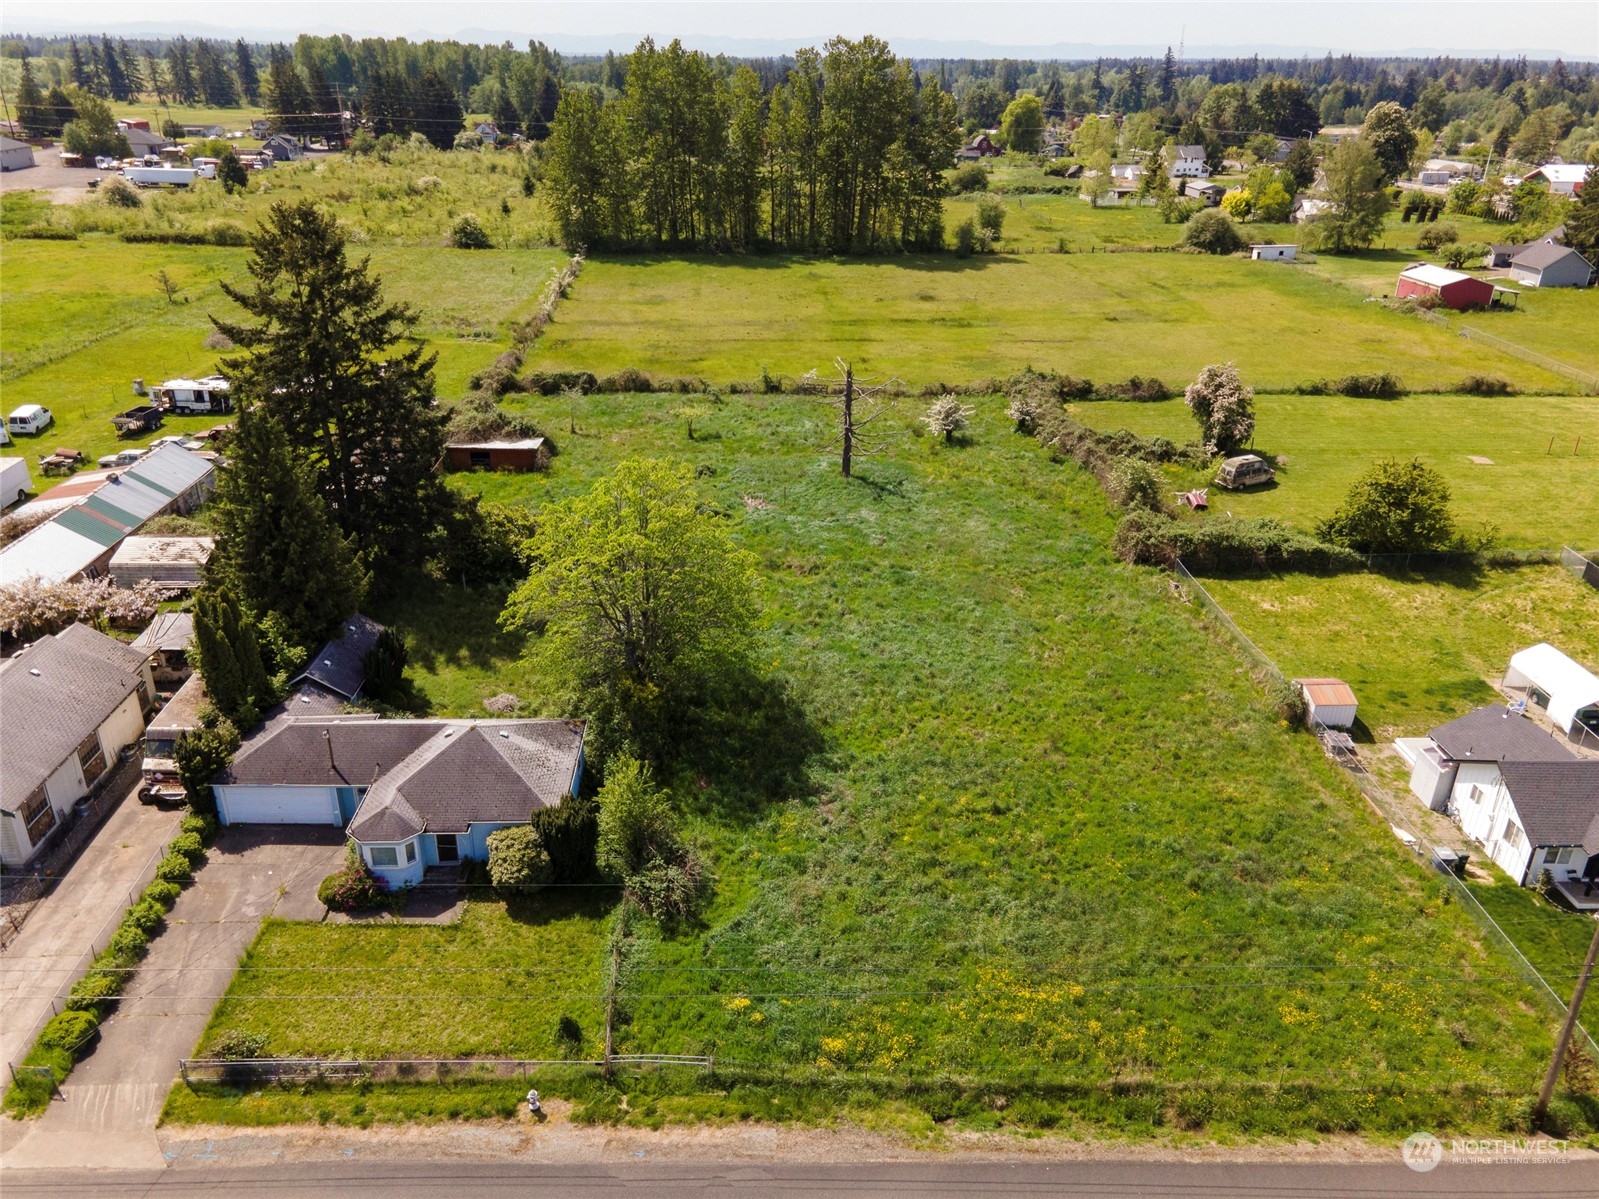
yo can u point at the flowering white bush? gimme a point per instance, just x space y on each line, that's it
33 609
947 416
1224 408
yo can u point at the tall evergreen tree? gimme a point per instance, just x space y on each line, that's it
59 110
439 113
1582 223
244 68
287 100
326 123
212 77
32 115
277 548
77 68
180 71
236 681
327 358
131 69
1166 83
116 79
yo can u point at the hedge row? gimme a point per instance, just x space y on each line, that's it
221 233
1226 543
65 1038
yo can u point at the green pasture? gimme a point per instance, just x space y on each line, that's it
1538 487
1000 808
1418 648
82 319
927 320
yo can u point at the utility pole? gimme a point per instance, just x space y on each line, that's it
1549 1079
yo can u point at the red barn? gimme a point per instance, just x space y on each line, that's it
1452 288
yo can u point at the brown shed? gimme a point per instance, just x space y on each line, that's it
529 453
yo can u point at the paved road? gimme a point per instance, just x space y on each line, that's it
114 1096
92 896
405 1179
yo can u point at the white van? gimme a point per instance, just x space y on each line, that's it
30 418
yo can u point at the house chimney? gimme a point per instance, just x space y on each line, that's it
327 740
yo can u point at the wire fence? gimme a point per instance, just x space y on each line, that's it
1389 809
1589 383
1584 565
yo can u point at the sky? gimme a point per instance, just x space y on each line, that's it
1569 28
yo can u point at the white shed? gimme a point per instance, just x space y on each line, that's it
15 155
1329 702
1274 253
1567 691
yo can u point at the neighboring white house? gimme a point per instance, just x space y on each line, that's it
1468 751
15 155
68 705
413 793
1563 178
1548 264
1189 163
1328 702
1566 690
1267 252
1533 816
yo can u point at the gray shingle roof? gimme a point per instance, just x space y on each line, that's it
292 751
1558 801
1541 254
1492 734
338 665
53 695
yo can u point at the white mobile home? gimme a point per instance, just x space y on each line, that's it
1566 690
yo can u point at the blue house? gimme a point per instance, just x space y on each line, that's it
410 793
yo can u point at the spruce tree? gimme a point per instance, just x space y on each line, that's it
31 113
116 79
249 80
1582 222
277 549
224 683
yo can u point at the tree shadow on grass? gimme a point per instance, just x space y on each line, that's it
445 623
550 904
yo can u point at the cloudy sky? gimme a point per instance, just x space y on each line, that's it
1544 27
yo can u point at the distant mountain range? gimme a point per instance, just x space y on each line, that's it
747 47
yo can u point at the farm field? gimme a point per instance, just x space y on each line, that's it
1418 648
943 319
1537 491
983 839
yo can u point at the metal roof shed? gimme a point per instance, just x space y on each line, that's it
51 553
1329 702
1568 691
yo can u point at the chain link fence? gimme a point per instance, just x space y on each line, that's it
1584 565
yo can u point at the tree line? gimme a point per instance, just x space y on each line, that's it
846 155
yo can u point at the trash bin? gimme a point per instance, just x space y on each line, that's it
1447 860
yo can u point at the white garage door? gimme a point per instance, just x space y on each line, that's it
278 805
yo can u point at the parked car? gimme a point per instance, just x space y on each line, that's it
187 443
122 458
30 418
1246 470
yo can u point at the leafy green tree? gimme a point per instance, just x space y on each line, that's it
517 858
981 104
1396 507
1387 133
1300 166
1096 179
93 130
1357 195
326 357
277 548
1223 406
642 595
1212 232
231 173
636 821
1022 128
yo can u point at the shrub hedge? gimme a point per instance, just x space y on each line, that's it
1225 543
174 868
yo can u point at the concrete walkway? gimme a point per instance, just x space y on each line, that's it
114 1097
89 899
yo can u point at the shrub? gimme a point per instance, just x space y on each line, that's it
68 1030
469 234
1224 408
119 194
947 416
517 858
1132 484
1436 237
146 916
965 238
1485 385
174 868
631 379
164 893
189 845
969 177
1386 386
384 665
1134 388
550 383
1288 698
353 889
1212 232
128 943
227 233
570 834
94 991
990 216
42 233
669 890
1225 544
1394 508
202 824
1025 411
237 1045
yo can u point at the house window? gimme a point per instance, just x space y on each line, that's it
410 852
38 817
1512 835
1476 793
1563 857
91 757
383 855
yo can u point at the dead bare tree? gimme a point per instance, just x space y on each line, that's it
858 405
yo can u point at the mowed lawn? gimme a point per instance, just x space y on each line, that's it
1047 828
944 319
79 321
1418 648
1540 487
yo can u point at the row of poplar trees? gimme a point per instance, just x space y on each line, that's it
845 156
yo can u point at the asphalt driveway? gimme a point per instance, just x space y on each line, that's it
114 1096
48 955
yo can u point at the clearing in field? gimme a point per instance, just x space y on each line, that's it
1537 485
944 319
1013 815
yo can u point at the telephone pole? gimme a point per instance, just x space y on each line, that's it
1549 1079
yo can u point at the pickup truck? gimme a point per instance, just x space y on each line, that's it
120 458
146 418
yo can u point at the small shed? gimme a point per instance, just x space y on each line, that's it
167 641
170 561
1566 690
1546 264
15 155
1199 189
527 453
1274 253
1453 289
1329 702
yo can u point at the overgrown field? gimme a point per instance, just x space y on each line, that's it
1005 811
932 319
1418 648
1537 486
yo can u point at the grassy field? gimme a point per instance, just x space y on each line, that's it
1537 491
1013 850
1554 939
927 320
1419 649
